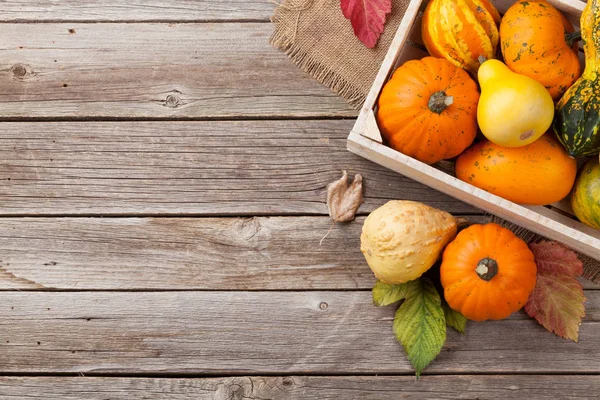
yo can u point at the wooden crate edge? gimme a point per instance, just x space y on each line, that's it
540 220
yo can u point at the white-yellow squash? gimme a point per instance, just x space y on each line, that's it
514 110
403 239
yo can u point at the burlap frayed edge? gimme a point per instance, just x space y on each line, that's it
591 267
323 74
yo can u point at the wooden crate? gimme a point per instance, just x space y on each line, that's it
365 140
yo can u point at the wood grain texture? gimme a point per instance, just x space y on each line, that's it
258 253
188 168
503 387
162 253
135 10
223 333
154 70
181 253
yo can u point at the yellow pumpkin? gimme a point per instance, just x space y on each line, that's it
514 110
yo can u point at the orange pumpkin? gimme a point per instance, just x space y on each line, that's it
428 110
537 174
487 272
537 41
461 31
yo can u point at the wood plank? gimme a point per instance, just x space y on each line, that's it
501 387
188 168
224 333
154 70
136 10
161 253
181 253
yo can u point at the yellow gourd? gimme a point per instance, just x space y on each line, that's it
403 239
514 110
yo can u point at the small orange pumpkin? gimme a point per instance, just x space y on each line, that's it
537 41
487 272
428 110
461 31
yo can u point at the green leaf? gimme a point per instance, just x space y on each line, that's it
384 294
454 319
419 323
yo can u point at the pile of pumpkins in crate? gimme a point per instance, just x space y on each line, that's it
537 111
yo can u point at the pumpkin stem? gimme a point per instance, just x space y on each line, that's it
487 268
481 59
439 101
572 37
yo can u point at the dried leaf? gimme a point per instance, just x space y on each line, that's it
367 18
557 301
343 200
552 256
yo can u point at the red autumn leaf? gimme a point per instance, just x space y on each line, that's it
367 18
557 301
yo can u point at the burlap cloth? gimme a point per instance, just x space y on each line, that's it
317 37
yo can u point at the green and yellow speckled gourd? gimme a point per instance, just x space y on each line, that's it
586 194
577 117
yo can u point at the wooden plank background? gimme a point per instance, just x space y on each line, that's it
136 10
543 387
188 168
154 70
235 332
259 253
163 173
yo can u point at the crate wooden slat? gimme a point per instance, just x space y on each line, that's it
365 140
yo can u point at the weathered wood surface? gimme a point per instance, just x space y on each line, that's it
502 387
277 253
181 253
154 70
135 10
68 69
188 168
223 333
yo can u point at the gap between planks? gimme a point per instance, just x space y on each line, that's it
196 376
175 118
140 21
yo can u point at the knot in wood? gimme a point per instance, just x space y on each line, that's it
287 381
235 392
249 228
19 71
172 101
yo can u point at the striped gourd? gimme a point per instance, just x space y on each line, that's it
461 31
577 119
